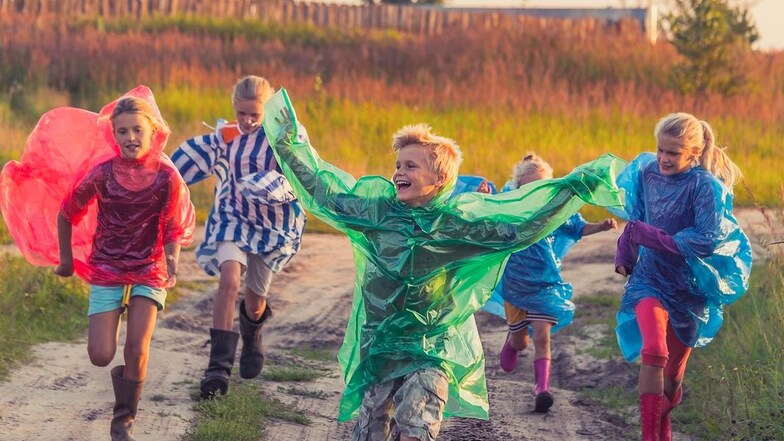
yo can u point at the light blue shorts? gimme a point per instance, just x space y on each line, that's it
109 298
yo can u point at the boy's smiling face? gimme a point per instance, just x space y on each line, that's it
415 180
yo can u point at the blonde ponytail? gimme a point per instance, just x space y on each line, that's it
716 161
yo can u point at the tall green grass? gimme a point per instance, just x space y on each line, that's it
37 307
736 384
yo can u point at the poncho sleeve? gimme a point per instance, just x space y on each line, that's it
180 213
521 217
328 192
75 205
567 235
196 157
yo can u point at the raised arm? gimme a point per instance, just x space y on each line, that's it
196 157
516 219
325 190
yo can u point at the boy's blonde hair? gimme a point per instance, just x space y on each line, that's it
698 136
530 163
132 104
251 88
445 155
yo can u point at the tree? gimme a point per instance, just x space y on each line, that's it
715 38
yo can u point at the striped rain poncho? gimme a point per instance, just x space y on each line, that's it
254 205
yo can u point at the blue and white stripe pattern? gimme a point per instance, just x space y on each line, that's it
254 205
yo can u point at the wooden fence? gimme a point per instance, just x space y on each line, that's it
424 20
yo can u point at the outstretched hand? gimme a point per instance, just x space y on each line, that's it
484 187
608 224
171 270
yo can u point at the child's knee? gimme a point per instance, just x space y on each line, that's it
519 340
229 287
541 339
100 356
135 352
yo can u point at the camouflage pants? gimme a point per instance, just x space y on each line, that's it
412 406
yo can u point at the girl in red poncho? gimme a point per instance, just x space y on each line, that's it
144 215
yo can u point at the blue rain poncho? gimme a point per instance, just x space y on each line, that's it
695 208
467 183
423 272
532 277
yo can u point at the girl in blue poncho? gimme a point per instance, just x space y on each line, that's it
532 291
685 255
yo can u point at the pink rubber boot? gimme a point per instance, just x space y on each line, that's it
651 416
665 431
509 355
544 399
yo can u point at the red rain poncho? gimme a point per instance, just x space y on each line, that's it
123 211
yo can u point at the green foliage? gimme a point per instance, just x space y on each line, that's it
714 38
240 415
736 385
37 307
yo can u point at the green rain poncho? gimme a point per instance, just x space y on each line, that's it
423 272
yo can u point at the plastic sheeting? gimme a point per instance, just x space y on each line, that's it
468 183
123 211
422 272
532 278
715 262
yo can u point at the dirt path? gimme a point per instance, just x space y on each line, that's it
62 397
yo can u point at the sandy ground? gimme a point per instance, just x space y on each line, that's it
63 397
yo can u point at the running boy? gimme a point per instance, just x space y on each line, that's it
425 264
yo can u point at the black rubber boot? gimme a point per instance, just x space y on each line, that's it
223 347
252 357
126 401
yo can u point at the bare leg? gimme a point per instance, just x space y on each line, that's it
102 335
651 379
142 314
254 305
541 339
228 288
519 339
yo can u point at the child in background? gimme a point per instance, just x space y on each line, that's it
532 290
425 264
144 216
686 255
254 228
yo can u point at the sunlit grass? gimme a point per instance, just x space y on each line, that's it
736 384
241 415
37 307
